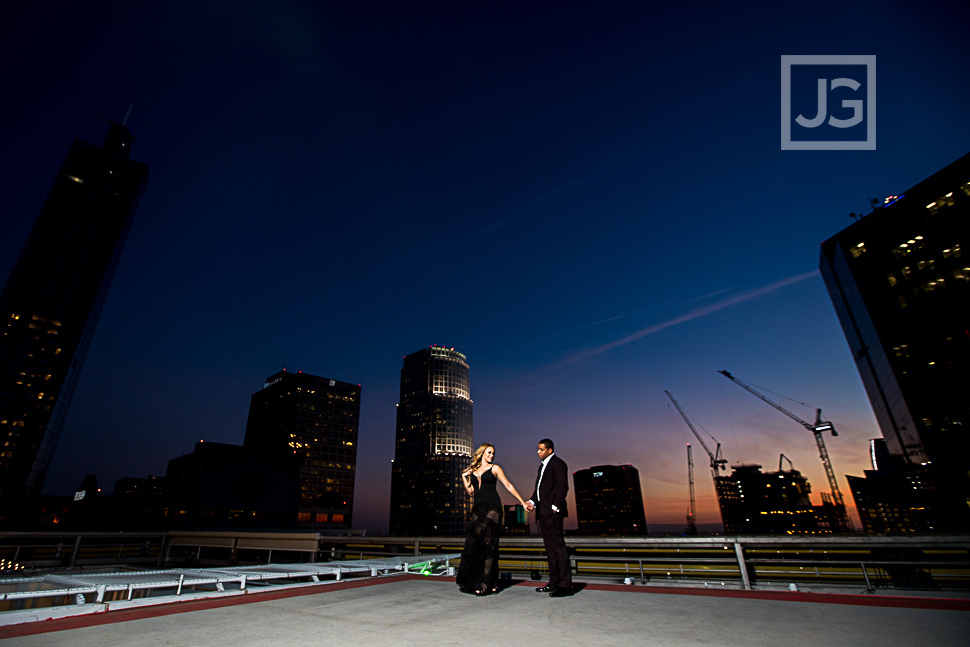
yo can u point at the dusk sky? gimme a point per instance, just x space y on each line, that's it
588 200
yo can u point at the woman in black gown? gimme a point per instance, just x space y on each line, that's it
478 570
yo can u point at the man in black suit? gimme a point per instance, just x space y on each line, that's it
549 502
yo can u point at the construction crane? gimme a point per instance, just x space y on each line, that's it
818 429
691 524
781 458
717 463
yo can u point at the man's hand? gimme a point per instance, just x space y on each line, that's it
530 506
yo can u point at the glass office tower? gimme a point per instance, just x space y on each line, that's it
317 419
433 445
51 302
609 501
899 279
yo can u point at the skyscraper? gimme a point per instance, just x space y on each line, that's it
50 305
609 501
433 445
900 285
318 419
893 501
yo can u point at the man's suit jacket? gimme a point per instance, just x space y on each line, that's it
553 488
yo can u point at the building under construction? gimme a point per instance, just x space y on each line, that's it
753 502
766 503
831 514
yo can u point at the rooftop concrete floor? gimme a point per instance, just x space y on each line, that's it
411 610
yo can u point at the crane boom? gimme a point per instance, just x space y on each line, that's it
717 463
819 424
817 429
691 523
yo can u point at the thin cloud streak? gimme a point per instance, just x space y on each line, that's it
578 328
697 313
537 203
707 296
603 167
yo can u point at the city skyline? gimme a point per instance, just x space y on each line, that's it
603 187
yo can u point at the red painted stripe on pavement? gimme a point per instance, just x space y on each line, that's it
869 600
173 607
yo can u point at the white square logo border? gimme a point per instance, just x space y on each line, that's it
787 61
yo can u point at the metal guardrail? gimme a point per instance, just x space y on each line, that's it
870 561
59 590
932 561
70 549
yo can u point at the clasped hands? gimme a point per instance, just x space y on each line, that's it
530 506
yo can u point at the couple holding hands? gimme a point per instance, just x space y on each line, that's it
478 570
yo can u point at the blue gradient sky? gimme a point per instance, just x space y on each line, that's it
589 201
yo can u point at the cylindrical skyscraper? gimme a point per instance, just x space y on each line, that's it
433 445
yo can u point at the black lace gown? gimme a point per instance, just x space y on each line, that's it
478 570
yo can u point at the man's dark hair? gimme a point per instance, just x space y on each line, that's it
548 443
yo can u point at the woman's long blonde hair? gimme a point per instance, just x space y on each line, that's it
477 456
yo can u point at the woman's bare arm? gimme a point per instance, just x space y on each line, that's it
500 475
